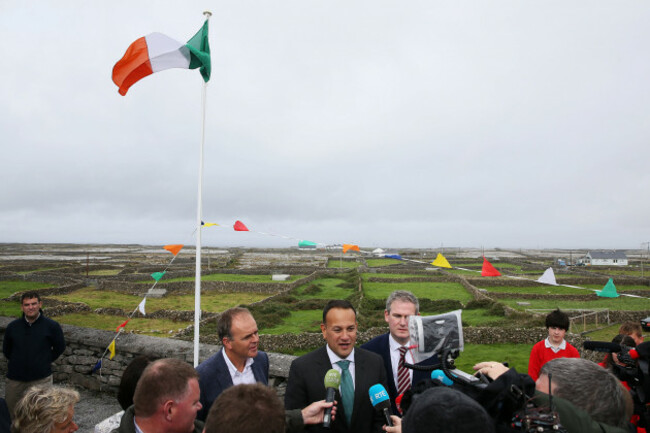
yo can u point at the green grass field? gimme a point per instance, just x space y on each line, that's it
375 263
329 289
297 322
542 289
10 309
516 355
620 303
226 277
210 301
8 288
442 290
153 327
105 272
479 317
333 263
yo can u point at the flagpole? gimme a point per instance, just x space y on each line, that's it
199 218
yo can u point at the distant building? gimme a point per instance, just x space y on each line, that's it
605 258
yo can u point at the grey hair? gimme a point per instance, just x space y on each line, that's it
404 296
41 407
591 388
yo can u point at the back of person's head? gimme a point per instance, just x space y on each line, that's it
246 409
557 319
130 378
42 407
445 410
591 388
224 322
162 380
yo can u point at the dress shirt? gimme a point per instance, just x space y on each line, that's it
239 377
394 358
555 349
334 358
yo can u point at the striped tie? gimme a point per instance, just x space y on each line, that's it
403 376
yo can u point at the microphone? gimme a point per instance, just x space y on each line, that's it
398 403
332 382
379 399
442 377
601 346
641 351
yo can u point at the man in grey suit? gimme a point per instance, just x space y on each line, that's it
237 362
360 369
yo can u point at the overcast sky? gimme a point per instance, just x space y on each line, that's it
381 123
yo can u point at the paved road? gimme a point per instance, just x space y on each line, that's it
91 409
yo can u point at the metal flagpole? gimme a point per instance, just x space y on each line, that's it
199 218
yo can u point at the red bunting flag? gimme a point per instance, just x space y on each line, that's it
240 227
174 249
122 325
489 270
348 247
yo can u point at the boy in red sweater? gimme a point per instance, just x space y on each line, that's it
554 346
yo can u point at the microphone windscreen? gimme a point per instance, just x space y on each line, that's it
332 379
442 377
643 350
601 346
378 395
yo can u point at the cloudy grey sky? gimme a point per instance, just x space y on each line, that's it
383 123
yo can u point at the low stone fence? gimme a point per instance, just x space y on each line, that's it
85 346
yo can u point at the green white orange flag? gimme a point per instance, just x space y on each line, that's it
441 262
157 52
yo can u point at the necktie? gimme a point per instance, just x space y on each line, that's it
403 376
347 390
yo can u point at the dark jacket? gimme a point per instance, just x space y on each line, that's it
306 385
127 425
214 378
381 346
32 348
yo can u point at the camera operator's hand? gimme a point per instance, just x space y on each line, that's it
491 369
397 425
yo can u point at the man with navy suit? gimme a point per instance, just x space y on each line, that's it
359 368
399 306
237 362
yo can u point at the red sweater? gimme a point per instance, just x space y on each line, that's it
540 355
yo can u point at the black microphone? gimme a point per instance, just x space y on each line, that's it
379 399
332 382
601 346
641 351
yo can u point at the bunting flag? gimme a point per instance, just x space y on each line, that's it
350 247
548 277
204 224
240 227
111 348
441 262
489 270
157 52
96 367
392 256
306 244
174 249
158 275
122 325
141 306
609 291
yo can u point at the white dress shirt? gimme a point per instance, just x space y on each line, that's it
334 358
395 355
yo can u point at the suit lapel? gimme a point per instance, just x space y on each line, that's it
223 373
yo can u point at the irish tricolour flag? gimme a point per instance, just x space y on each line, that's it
157 52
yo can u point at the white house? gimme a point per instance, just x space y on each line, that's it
605 258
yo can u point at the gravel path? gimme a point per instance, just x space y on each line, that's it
91 409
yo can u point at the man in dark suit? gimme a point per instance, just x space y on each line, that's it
237 362
399 306
359 368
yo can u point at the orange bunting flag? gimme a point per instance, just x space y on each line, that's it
122 325
174 249
240 227
489 270
349 247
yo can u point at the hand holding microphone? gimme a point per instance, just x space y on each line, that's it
380 401
332 382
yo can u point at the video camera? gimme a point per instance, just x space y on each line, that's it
633 368
442 335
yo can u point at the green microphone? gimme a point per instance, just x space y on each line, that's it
332 382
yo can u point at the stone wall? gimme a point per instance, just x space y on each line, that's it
85 346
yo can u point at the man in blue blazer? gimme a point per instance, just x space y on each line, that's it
237 362
399 306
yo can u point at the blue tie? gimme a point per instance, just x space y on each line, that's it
347 390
